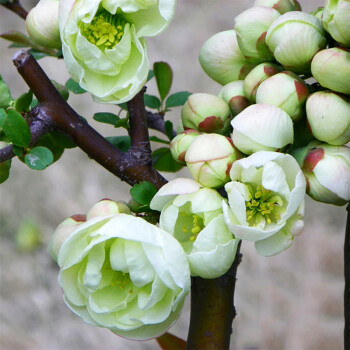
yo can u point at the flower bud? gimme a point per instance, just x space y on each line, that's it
42 24
256 76
327 172
5 165
62 232
262 127
222 59
233 94
328 115
294 38
286 91
282 6
251 27
180 143
331 67
335 20
106 207
205 112
209 159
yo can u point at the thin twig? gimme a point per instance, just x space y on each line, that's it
129 167
156 121
17 8
347 283
212 310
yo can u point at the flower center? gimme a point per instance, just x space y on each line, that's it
192 225
263 204
105 30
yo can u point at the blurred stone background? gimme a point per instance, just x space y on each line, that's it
292 301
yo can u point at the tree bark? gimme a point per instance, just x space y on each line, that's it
347 283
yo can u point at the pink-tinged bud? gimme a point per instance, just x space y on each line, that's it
294 38
335 20
205 112
42 24
286 91
107 207
209 159
262 127
180 143
331 68
233 95
222 59
282 6
62 232
327 172
328 115
251 27
256 76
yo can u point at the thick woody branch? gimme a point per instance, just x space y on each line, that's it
129 167
212 310
17 8
347 283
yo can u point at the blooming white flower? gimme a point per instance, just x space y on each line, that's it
123 273
266 201
193 214
103 45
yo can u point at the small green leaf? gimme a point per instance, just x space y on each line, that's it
122 123
5 95
73 86
18 38
16 128
34 103
157 139
38 54
105 117
150 75
177 99
169 129
18 151
38 158
163 161
143 192
151 101
4 1
3 117
164 78
123 106
23 102
49 142
62 140
121 142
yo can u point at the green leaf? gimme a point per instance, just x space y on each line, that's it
177 99
122 123
16 128
168 128
18 151
3 117
38 158
18 38
151 101
34 103
150 75
38 54
121 142
62 140
143 192
5 95
4 1
157 139
49 142
164 161
73 86
23 102
123 106
105 117
164 78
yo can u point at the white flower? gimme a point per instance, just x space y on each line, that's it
265 201
123 273
193 214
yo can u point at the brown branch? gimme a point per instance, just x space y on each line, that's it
17 8
347 283
129 167
212 310
156 121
